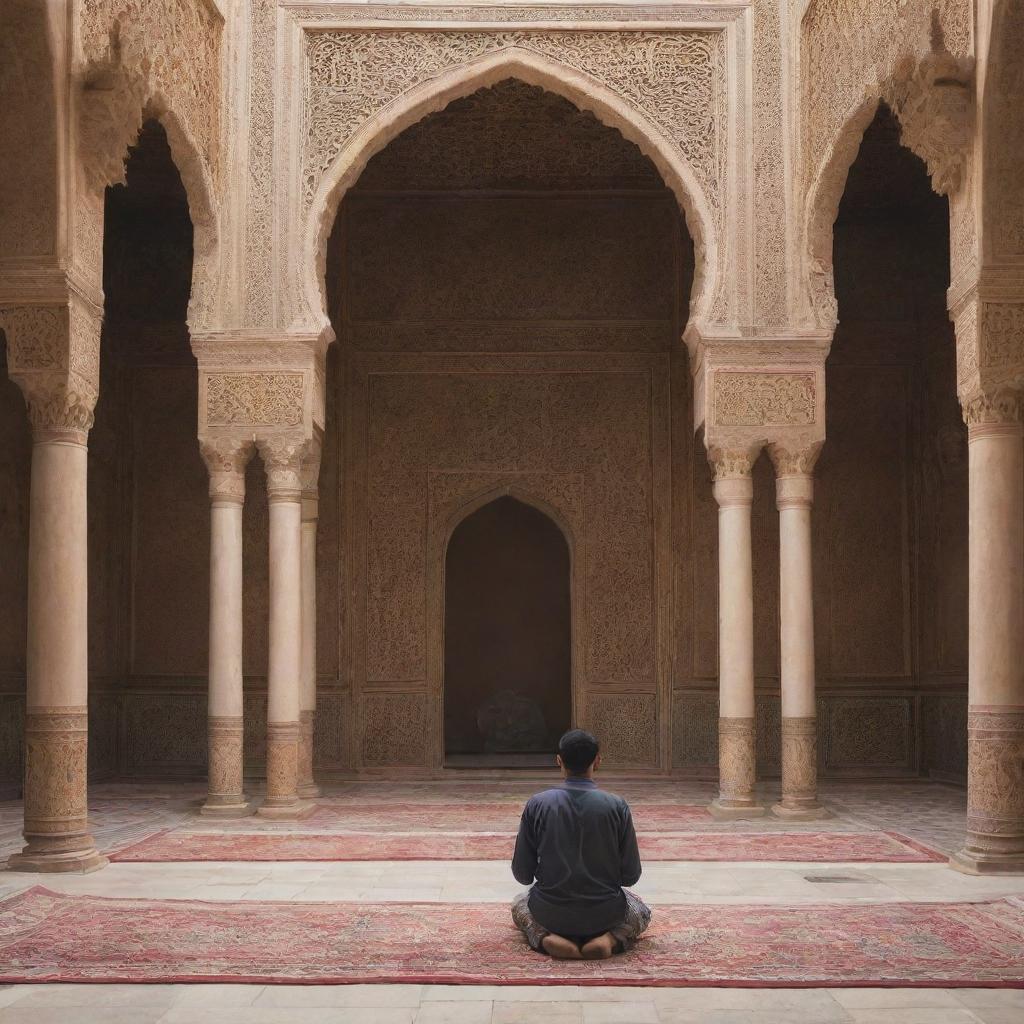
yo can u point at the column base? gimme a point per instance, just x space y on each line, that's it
813 812
239 809
972 862
309 790
80 862
733 809
298 810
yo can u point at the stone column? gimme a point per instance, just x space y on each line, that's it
226 460
995 730
57 722
794 489
734 492
282 458
307 714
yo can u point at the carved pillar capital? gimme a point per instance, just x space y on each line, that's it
732 462
283 456
53 356
58 413
226 459
731 468
310 479
997 411
794 474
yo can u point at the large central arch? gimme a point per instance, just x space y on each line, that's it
581 90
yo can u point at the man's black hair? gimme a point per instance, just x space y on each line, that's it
578 750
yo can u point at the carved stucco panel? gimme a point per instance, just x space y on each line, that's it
175 45
626 725
751 399
673 78
254 399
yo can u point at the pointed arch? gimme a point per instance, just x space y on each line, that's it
509 490
822 208
581 90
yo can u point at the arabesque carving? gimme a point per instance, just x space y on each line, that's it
914 56
673 78
226 459
267 398
746 399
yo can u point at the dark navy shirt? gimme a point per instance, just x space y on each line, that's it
579 843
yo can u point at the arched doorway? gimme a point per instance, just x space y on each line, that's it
507 637
892 479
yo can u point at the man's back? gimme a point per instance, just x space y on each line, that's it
579 843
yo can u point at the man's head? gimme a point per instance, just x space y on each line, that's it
578 753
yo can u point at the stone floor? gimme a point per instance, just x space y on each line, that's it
929 812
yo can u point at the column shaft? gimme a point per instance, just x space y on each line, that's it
795 492
307 784
226 797
995 779
285 646
57 725
736 732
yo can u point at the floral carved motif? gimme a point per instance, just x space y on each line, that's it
37 337
166 48
998 408
799 758
254 399
226 459
764 399
283 455
736 757
673 78
1002 336
995 778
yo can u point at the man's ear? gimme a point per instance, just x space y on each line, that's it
558 761
597 762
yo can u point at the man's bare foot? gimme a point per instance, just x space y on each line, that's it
561 948
600 948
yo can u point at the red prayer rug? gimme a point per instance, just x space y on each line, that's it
484 816
54 937
184 845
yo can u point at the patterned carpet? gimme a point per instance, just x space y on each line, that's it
189 845
50 937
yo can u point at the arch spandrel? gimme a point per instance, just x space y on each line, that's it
329 172
141 59
915 58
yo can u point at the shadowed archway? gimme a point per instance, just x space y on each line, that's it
508 636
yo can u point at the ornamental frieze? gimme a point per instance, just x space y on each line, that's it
743 399
676 79
265 399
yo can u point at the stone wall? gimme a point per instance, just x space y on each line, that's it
510 320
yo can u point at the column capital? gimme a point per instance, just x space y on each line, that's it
53 353
794 474
997 411
226 459
283 455
733 463
310 480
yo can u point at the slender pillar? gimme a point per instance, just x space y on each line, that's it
794 490
57 722
734 492
282 458
226 460
995 728
307 714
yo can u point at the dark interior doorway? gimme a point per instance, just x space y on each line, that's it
507 638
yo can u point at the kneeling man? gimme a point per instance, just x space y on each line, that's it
579 843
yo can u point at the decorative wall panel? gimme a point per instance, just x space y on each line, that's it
165 733
869 734
394 729
627 724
